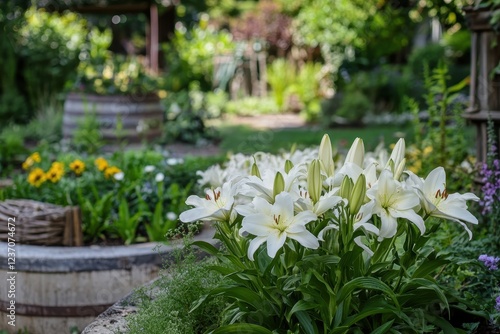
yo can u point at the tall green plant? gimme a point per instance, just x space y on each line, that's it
326 250
280 75
440 129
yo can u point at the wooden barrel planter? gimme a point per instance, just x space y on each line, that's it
57 288
131 119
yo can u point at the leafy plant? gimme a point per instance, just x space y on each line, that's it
126 225
87 136
190 55
441 131
96 214
325 247
50 45
168 311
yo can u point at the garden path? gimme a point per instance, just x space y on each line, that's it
261 122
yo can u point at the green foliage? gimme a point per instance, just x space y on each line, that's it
49 45
334 288
104 73
190 56
11 147
87 136
280 74
187 112
252 106
350 108
46 126
140 204
304 84
444 121
430 55
182 284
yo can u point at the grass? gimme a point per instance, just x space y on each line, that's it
247 140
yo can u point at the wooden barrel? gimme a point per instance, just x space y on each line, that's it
131 119
56 288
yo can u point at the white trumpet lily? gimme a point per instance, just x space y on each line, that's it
393 201
273 223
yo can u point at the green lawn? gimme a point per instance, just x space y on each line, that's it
247 140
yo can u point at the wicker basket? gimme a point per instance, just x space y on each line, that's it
39 223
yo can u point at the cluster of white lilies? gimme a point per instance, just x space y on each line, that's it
274 197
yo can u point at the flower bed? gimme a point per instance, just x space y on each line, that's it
126 197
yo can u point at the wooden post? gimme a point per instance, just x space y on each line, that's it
153 37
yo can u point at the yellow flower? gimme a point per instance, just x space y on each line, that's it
36 177
77 167
427 151
55 173
101 163
57 165
31 160
36 157
110 171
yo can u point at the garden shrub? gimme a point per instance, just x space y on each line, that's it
49 46
190 55
252 106
186 113
430 55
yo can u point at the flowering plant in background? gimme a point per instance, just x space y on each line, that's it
313 245
490 173
491 263
121 196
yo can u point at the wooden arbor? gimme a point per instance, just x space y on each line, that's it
485 83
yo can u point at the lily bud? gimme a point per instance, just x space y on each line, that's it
288 166
398 153
356 153
399 169
314 181
358 194
255 171
279 184
326 155
346 187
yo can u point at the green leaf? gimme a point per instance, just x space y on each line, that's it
242 329
429 266
306 322
429 285
301 305
207 247
441 323
369 283
384 328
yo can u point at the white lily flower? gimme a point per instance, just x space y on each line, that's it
216 206
303 202
438 203
393 201
273 223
